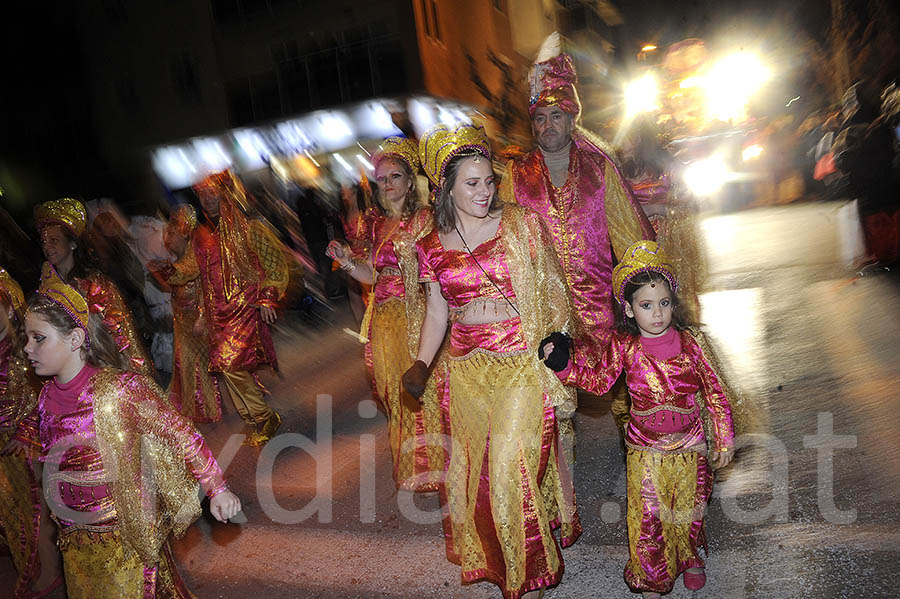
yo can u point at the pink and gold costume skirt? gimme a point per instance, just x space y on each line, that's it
667 497
414 432
506 488
20 517
95 561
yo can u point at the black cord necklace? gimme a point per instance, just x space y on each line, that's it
490 278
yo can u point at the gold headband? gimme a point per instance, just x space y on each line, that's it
441 143
55 289
642 256
400 148
11 290
68 212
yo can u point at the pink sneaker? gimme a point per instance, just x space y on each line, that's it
694 582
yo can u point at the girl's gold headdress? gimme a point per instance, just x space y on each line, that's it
642 256
55 289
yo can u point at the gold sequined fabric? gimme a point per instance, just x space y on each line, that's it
11 291
505 487
414 435
403 148
541 292
667 495
98 566
68 212
441 143
129 429
192 386
680 237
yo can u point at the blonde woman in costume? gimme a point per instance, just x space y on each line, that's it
385 257
491 271
61 223
193 389
95 425
24 522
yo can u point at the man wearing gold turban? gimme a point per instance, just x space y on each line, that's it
581 197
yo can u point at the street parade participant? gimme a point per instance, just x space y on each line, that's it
61 223
490 269
671 209
243 273
385 258
666 363
94 424
193 390
25 527
582 199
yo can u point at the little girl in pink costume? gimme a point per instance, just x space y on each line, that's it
669 478
120 466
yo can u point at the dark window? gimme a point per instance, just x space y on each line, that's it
498 4
126 92
390 69
266 99
240 103
184 77
294 84
115 10
325 79
357 71
426 17
226 11
436 23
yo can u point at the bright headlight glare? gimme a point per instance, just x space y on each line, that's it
731 83
751 152
641 95
706 177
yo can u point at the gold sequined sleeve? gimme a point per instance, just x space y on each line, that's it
625 219
271 254
185 269
507 190
592 375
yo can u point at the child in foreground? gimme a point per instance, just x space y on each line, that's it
669 457
121 468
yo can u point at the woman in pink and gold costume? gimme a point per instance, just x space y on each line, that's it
193 390
99 429
490 270
680 414
24 524
385 256
61 224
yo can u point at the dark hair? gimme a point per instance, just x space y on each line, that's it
627 324
646 156
83 264
444 210
102 351
411 202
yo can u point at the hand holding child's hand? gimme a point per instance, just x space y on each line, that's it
554 350
224 506
720 459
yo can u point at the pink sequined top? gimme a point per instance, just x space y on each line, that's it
377 242
462 281
65 415
460 277
664 414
